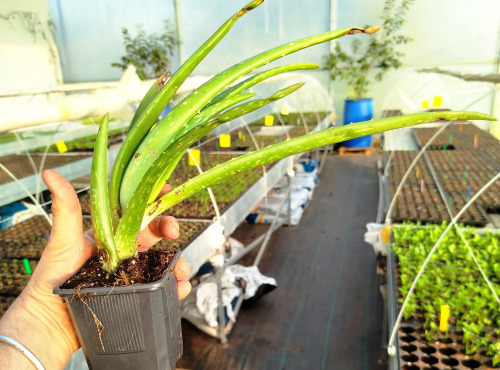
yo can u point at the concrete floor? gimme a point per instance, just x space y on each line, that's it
327 310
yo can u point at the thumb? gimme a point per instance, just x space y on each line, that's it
66 210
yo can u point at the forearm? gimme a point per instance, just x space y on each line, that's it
32 325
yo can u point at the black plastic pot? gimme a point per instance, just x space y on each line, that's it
130 327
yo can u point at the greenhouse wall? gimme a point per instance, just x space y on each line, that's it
452 35
29 57
89 35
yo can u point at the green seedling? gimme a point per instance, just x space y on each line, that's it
473 305
150 154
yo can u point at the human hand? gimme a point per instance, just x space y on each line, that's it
38 319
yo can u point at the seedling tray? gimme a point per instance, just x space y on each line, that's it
25 239
13 276
420 199
418 350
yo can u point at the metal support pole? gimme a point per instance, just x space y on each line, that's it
323 159
222 319
289 197
271 230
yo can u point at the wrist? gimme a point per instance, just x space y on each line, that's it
31 322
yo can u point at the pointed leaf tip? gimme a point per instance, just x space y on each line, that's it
252 5
371 29
356 30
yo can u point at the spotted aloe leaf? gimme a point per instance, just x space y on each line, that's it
262 76
294 146
154 103
130 223
167 159
164 133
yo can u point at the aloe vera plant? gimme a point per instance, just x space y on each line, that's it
150 153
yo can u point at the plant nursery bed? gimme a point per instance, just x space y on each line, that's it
84 144
240 142
296 118
225 193
188 231
5 303
13 276
471 338
420 199
25 239
446 140
21 167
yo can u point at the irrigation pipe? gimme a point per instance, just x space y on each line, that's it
388 164
280 117
30 158
391 350
27 192
45 152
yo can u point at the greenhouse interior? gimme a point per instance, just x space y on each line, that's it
250 184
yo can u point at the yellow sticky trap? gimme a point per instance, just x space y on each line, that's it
425 104
417 172
225 141
443 320
284 110
61 147
385 233
239 134
195 156
269 120
437 101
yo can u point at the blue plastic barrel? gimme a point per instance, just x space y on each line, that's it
358 111
167 109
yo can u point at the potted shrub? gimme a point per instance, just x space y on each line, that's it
138 325
149 54
354 67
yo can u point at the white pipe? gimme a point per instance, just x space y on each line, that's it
18 113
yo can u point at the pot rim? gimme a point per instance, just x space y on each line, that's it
137 288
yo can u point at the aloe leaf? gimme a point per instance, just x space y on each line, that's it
130 224
189 138
154 103
215 109
294 146
150 96
162 136
166 160
99 201
254 80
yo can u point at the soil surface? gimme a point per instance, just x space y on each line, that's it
148 267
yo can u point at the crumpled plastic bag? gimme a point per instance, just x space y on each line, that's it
378 236
236 279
